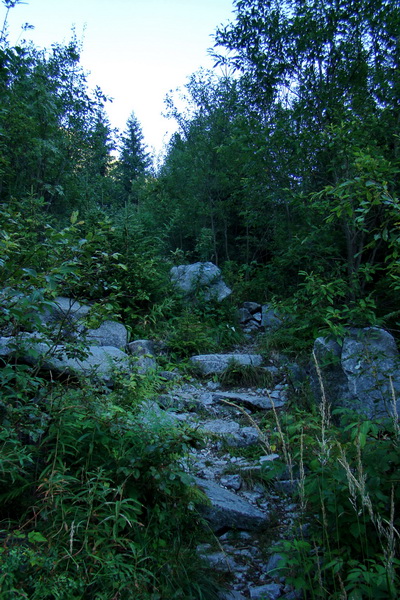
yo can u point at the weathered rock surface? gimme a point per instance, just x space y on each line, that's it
110 333
201 277
360 374
270 319
253 402
270 591
144 351
6 346
229 510
217 363
99 361
231 432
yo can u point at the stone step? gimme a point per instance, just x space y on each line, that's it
227 510
252 401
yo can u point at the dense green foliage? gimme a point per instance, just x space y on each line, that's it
285 172
345 540
94 498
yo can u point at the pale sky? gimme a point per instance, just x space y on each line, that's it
136 50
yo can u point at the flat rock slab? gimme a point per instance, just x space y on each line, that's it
229 510
100 360
110 333
253 402
231 432
221 427
270 591
211 364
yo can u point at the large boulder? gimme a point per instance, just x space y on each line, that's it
143 351
362 374
201 277
253 401
65 317
96 361
227 510
210 364
109 333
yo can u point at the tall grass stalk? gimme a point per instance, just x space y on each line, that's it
327 568
286 452
387 532
394 412
325 413
263 437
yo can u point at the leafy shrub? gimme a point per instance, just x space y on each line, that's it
95 501
205 328
98 504
346 543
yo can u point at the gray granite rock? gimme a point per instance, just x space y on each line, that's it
221 427
251 401
100 361
109 333
270 318
231 432
360 374
219 561
229 510
7 346
272 566
270 591
217 363
144 351
65 316
142 347
252 307
201 277
232 482
244 316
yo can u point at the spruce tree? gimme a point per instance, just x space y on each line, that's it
134 159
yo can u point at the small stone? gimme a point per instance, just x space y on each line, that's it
252 307
287 486
268 458
270 591
213 385
252 496
206 398
220 561
232 482
273 564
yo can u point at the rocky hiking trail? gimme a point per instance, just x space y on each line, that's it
247 514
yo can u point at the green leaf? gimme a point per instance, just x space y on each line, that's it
36 536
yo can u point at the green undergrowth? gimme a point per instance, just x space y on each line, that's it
97 503
238 375
95 500
345 542
202 328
